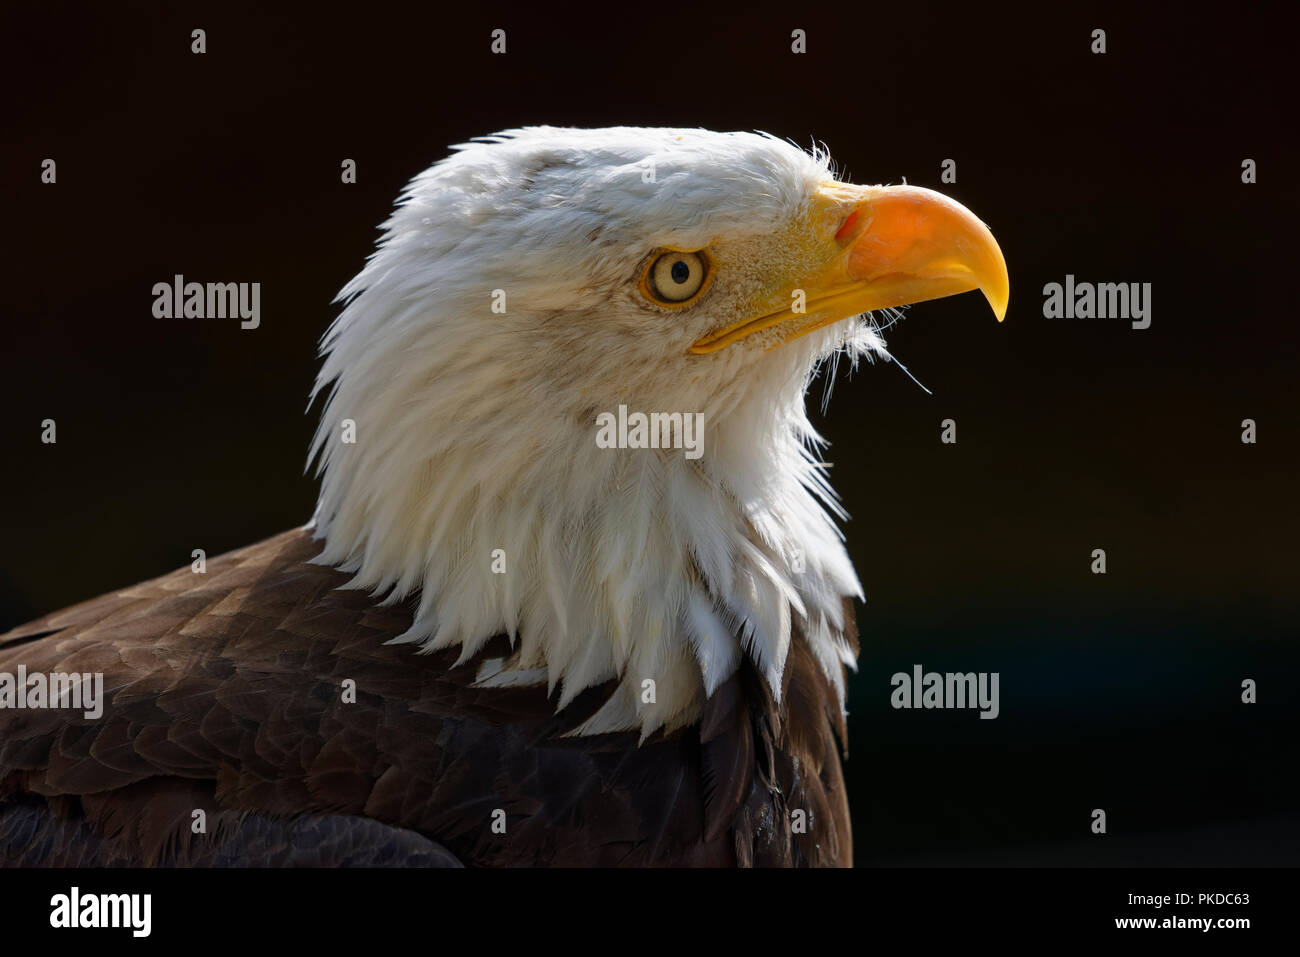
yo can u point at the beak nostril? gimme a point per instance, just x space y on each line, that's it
846 232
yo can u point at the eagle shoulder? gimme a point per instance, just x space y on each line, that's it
260 698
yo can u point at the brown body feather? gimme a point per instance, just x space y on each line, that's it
224 693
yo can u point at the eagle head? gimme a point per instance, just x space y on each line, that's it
541 284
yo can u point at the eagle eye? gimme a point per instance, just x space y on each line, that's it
674 278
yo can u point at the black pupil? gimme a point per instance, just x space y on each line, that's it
681 272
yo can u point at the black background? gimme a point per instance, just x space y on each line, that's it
1119 691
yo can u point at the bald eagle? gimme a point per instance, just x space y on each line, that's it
573 592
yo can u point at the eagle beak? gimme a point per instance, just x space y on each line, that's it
877 247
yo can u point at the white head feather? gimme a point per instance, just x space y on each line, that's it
475 430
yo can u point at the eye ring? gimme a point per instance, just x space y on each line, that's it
676 277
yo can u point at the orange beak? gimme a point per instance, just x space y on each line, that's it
875 247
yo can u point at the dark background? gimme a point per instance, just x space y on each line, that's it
1119 691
